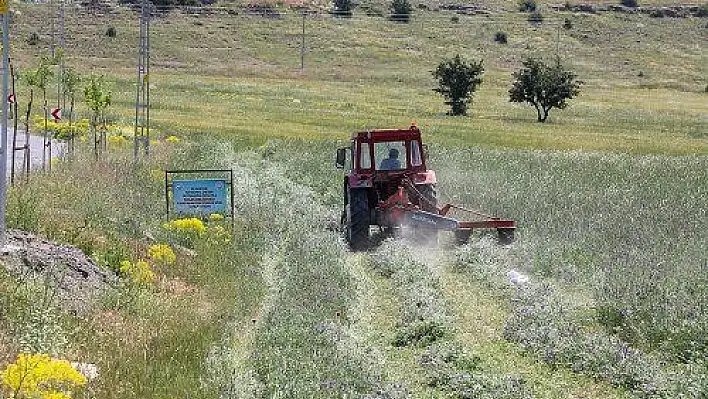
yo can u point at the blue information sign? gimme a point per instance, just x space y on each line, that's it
199 197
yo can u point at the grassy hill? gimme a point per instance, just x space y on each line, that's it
609 196
644 89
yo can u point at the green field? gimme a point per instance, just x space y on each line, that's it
609 196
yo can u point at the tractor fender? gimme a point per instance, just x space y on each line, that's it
360 181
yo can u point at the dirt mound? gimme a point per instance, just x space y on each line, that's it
77 280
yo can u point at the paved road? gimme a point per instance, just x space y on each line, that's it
36 144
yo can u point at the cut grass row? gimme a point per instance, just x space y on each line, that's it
574 210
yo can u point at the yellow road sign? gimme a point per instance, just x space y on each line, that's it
3 7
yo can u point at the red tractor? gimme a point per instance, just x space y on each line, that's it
390 186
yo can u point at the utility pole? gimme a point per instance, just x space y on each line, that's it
558 36
302 46
142 99
52 33
60 73
4 11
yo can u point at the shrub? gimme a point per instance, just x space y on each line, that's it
629 3
108 254
33 39
567 24
457 82
658 13
702 11
111 31
401 10
500 37
342 8
535 18
527 5
455 19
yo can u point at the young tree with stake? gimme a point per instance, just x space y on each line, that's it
70 83
38 79
97 99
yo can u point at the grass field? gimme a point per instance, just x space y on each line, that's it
609 196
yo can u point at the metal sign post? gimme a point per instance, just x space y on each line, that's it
3 152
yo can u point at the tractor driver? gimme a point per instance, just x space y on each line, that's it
392 161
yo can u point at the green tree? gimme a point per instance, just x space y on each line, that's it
70 83
457 82
401 10
97 98
544 86
38 78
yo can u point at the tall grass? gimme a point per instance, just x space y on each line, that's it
147 342
621 236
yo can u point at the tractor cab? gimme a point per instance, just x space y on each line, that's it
386 155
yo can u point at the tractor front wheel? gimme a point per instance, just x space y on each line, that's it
357 219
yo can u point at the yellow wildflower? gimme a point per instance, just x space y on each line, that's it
38 375
162 253
117 140
139 273
56 395
187 226
215 217
172 139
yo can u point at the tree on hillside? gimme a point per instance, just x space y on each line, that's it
342 8
457 82
544 86
401 10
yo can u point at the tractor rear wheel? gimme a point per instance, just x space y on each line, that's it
357 215
427 235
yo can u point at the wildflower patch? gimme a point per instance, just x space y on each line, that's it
162 253
40 376
139 273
